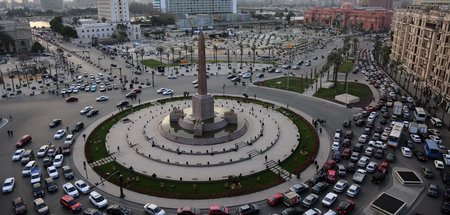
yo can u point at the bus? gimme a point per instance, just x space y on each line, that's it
419 114
431 149
395 135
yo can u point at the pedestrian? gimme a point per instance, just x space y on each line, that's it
320 130
9 134
118 148
139 101
67 128
254 96
84 137
12 134
10 117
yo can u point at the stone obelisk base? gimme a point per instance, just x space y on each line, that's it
202 107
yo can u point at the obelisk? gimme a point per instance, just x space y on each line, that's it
202 102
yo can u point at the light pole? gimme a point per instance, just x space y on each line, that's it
120 185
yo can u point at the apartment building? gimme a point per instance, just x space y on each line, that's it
193 7
421 41
432 2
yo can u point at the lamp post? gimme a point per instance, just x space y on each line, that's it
120 185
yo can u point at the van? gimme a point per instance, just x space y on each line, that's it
28 156
27 169
50 184
436 122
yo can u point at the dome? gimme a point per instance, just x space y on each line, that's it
347 5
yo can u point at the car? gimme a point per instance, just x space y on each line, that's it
340 186
347 123
447 193
172 76
130 95
86 110
161 90
8 185
310 200
369 151
51 151
259 75
377 144
25 139
218 210
67 172
50 184
54 123
406 152
70 203
47 162
40 206
38 192
78 127
122 104
384 167
58 160
82 186
330 164
345 207
335 146
248 209
434 132
319 187
92 113
17 156
391 157
346 154
101 98
435 138
168 92
313 211
362 139
19 206
363 161
342 171
275 199
420 155
371 167
445 207
292 211
379 153
98 200
353 190
188 211
42 151
329 199
433 190
59 134
72 99
354 157
439 164
52 172
299 188
70 138
70 190
416 138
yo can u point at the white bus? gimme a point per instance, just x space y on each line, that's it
395 135
419 114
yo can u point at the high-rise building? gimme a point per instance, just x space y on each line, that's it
421 43
55 5
432 2
192 7
115 11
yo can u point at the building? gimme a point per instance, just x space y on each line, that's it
193 7
432 2
20 32
366 18
386 4
55 5
421 42
90 30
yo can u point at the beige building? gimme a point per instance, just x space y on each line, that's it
432 2
421 41
20 32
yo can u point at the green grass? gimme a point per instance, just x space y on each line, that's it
156 63
296 84
347 66
151 63
356 89
95 150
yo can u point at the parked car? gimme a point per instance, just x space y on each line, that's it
69 202
25 139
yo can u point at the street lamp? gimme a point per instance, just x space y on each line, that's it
120 185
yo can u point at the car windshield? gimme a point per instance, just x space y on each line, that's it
19 204
82 185
101 198
157 209
72 202
71 189
18 153
8 183
52 170
41 205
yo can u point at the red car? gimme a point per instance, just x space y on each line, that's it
72 99
346 154
23 141
345 207
218 210
384 167
275 199
330 164
70 203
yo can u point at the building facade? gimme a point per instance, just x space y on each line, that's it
20 32
386 4
369 19
432 3
193 7
55 5
421 42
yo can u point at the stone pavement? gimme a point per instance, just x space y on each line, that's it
90 176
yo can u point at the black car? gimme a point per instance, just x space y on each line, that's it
38 192
231 76
123 103
360 122
348 134
378 177
445 175
350 167
383 121
55 123
447 193
50 184
92 113
248 209
433 190
420 155
292 211
319 187
116 209
130 95
346 143
347 123
92 211
379 153
445 207
78 127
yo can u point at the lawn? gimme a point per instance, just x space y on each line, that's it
296 84
155 63
347 66
357 89
95 150
151 63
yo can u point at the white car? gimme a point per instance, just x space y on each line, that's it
82 186
313 211
415 138
161 90
384 136
247 75
70 190
8 185
57 162
362 138
52 172
172 76
406 152
371 167
369 151
153 209
436 138
102 98
69 139
340 186
439 164
446 159
335 146
405 124
353 190
42 151
59 134
18 154
86 110
329 199
377 144
98 200
168 92
363 161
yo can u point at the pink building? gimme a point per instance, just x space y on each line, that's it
369 19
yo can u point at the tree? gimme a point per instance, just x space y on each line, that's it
228 55
56 24
377 47
279 14
191 50
185 47
241 47
37 47
336 59
355 45
215 48
385 53
75 20
160 50
172 50
103 19
254 56
68 31
289 16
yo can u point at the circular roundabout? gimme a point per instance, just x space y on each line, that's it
153 149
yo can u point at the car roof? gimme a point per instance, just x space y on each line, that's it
67 198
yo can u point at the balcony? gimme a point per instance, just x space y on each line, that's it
438 42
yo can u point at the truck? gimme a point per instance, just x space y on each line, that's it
359 175
35 175
291 199
398 107
413 127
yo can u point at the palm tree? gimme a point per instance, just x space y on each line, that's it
254 56
191 50
215 48
241 47
336 59
385 53
228 55
179 57
185 47
355 45
160 50
172 49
